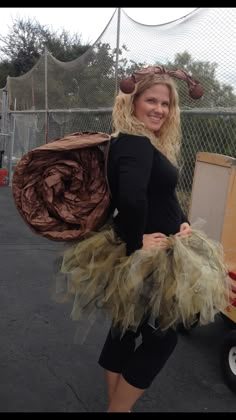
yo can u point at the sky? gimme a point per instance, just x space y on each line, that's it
89 22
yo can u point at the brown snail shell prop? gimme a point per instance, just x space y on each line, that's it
127 85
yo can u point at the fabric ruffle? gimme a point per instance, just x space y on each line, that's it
174 285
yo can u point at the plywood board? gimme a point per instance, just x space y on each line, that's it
209 193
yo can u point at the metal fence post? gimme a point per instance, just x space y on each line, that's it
117 51
46 93
11 147
4 132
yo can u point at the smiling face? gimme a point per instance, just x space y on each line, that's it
152 107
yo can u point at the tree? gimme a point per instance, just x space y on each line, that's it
216 94
24 44
6 68
88 81
71 82
93 84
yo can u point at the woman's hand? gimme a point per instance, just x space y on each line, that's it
185 230
151 240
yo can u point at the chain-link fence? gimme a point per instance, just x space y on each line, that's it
54 98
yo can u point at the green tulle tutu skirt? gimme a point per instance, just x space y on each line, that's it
173 285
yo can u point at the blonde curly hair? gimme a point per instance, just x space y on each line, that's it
124 121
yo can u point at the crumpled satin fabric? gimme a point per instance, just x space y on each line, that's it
60 188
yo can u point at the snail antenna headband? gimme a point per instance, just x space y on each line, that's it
194 87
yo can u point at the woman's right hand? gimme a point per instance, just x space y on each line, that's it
151 240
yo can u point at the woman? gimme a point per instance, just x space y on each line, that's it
148 208
142 175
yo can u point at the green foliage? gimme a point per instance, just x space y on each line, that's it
6 68
215 94
92 84
89 83
24 44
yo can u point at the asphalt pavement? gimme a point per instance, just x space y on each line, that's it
43 367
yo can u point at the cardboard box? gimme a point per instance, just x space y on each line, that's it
214 200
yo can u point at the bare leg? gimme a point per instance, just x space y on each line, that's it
124 397
112 380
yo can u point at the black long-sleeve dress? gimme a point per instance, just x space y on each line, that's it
142 183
